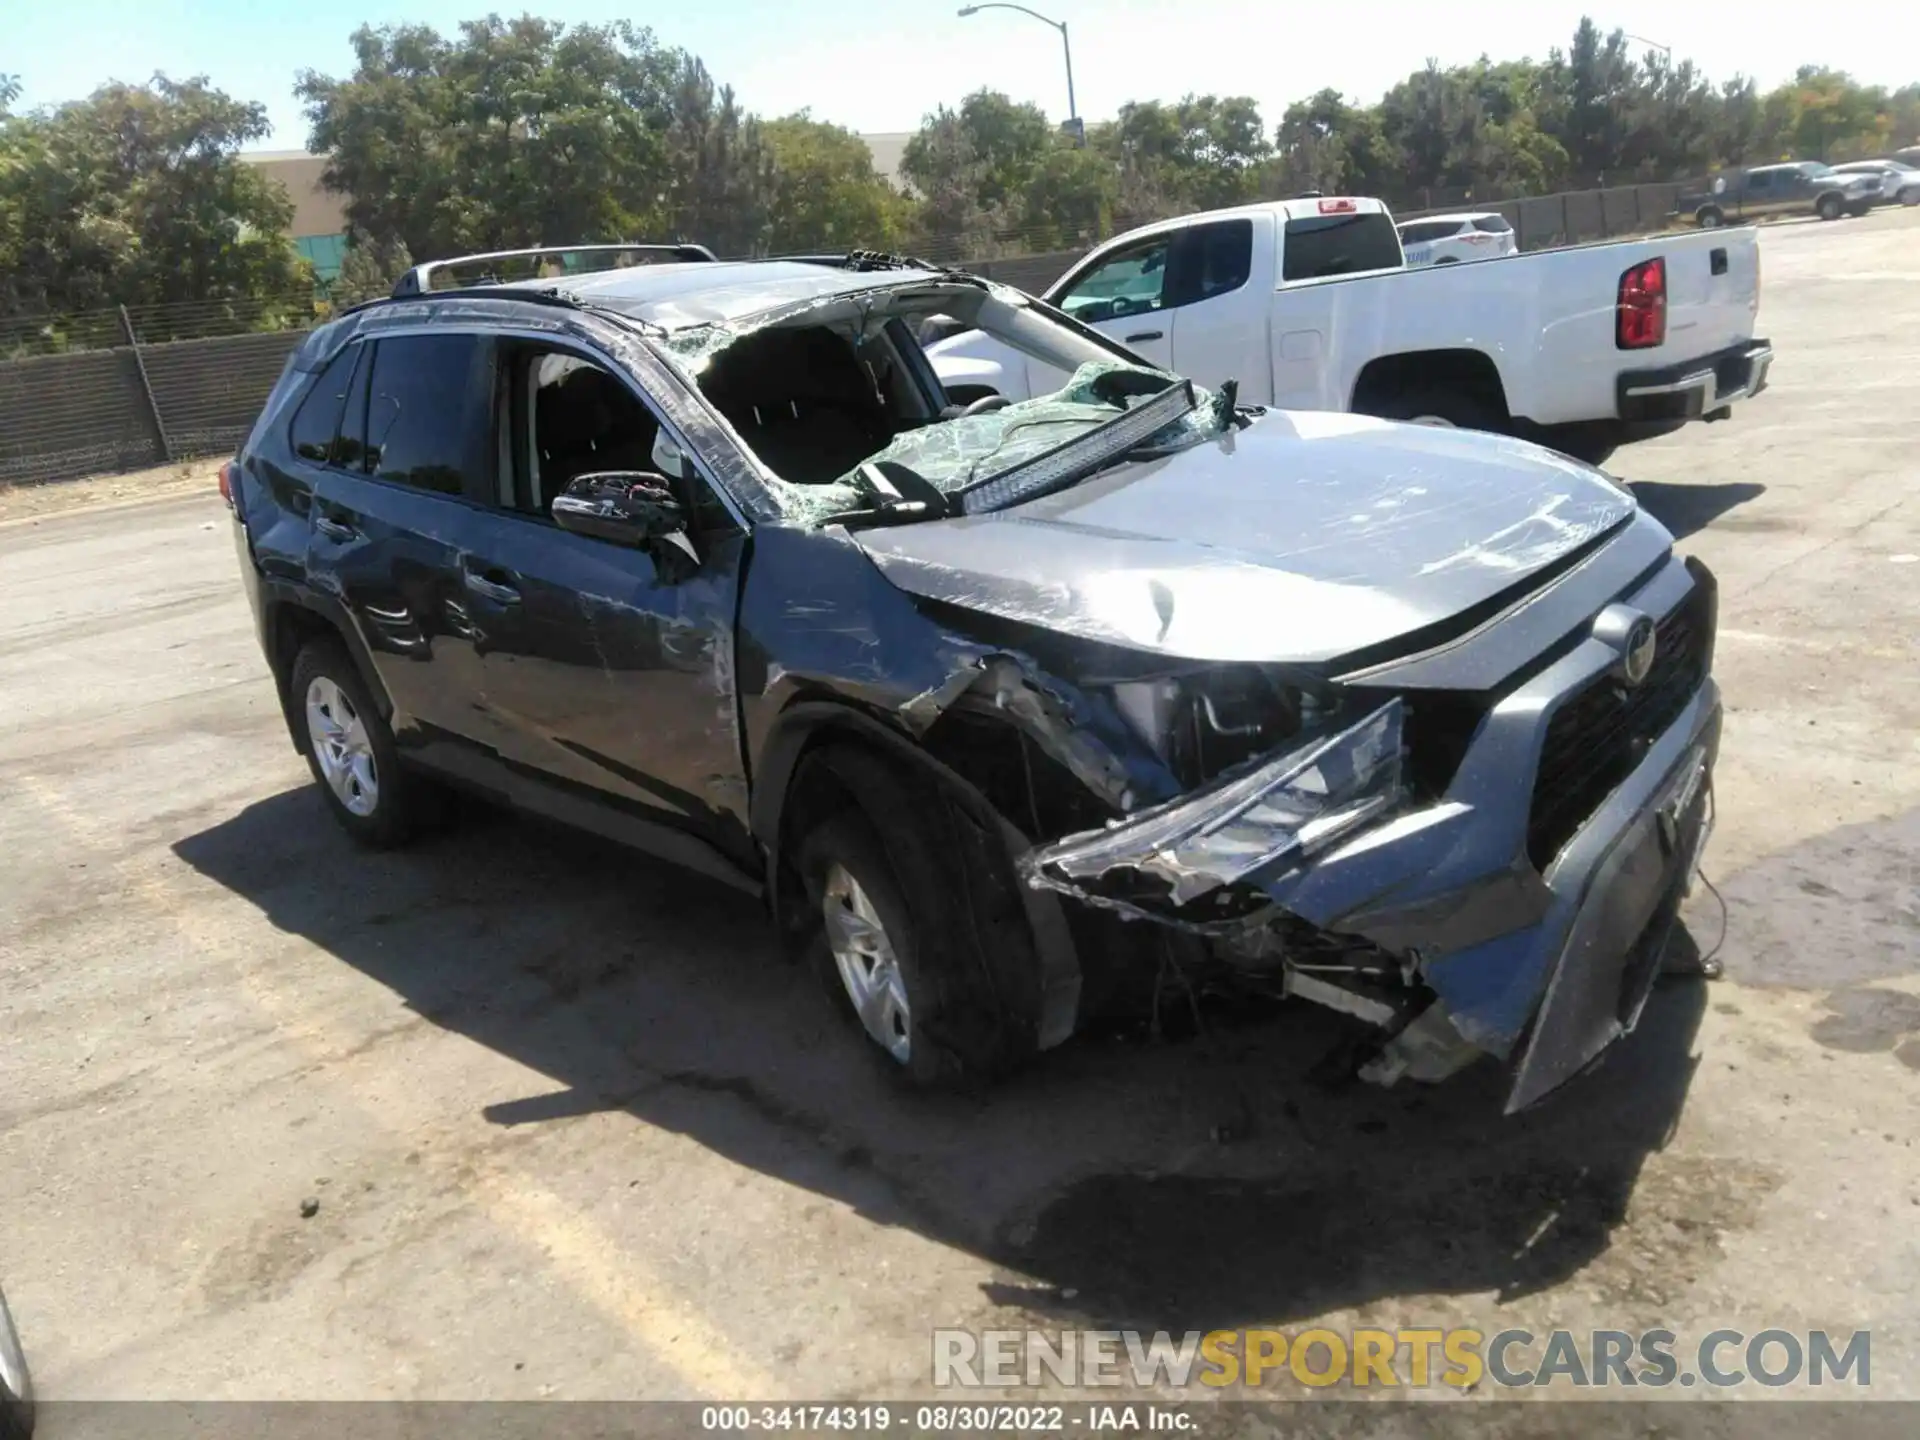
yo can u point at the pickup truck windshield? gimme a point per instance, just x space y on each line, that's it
1323 245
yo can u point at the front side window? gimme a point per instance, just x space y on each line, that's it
425 423
1128 282
563 415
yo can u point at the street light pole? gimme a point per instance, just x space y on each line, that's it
1666 50
1066 47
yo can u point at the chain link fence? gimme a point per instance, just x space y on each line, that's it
128 388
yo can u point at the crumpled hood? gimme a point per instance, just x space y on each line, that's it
1307 536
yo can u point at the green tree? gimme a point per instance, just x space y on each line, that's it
136 196
826 194
721 182
515 133
369 268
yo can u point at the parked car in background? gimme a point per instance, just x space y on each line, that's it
1306 305
1449 239
1003 708
1804 187
1899 184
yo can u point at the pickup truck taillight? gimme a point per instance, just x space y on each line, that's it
1640 314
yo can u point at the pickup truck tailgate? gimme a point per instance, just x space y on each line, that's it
1713 292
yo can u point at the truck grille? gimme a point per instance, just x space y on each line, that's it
1597 738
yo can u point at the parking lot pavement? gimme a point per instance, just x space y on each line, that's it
573 1130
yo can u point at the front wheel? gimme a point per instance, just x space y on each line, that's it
921 939
1828 208
1911 195
1709 218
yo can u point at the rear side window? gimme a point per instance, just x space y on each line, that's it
1414 232
1339 245
1211 260
426 412
1493 225
315 431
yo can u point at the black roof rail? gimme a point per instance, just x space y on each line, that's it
419 280
519 294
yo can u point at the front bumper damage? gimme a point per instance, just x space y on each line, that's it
1483 931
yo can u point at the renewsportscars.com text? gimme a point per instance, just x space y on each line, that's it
1409 1358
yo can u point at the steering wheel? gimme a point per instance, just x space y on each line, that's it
984 404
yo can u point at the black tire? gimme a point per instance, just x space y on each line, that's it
1828 208
403 801
1910 195
1444 404
954 917
16 1384
1448 260
1709 217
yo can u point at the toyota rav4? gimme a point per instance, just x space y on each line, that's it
1002 710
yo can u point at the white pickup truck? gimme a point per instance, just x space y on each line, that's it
1308 305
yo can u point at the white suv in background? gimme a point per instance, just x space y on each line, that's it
1448 239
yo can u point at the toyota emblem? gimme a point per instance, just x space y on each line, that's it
1638 653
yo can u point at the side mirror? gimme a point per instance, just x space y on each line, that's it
635 508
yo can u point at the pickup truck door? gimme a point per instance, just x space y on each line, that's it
1216 297
1122 293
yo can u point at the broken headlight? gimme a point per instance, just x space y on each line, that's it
1205 723
1260 821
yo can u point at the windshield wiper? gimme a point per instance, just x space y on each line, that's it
900 496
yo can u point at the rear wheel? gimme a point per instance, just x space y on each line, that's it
350 749
1444 406
1828 208
1708 217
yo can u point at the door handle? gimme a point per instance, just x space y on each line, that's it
337 531
1145 335
497 591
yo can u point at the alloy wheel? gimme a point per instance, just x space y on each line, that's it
867 963
342 747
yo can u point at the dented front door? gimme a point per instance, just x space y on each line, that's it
608 675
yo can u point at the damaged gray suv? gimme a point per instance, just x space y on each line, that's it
1002 710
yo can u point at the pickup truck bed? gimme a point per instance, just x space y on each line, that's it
1539 344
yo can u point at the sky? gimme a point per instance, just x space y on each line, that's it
877 66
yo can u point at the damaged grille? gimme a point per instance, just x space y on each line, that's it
1597 738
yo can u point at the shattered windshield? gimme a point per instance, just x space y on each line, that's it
824 396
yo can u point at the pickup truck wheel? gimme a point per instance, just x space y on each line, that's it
1708 217
1442 406
1828 208
908 943
350 749
1910 195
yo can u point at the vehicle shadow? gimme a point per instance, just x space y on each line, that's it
1686 509
1236 1176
